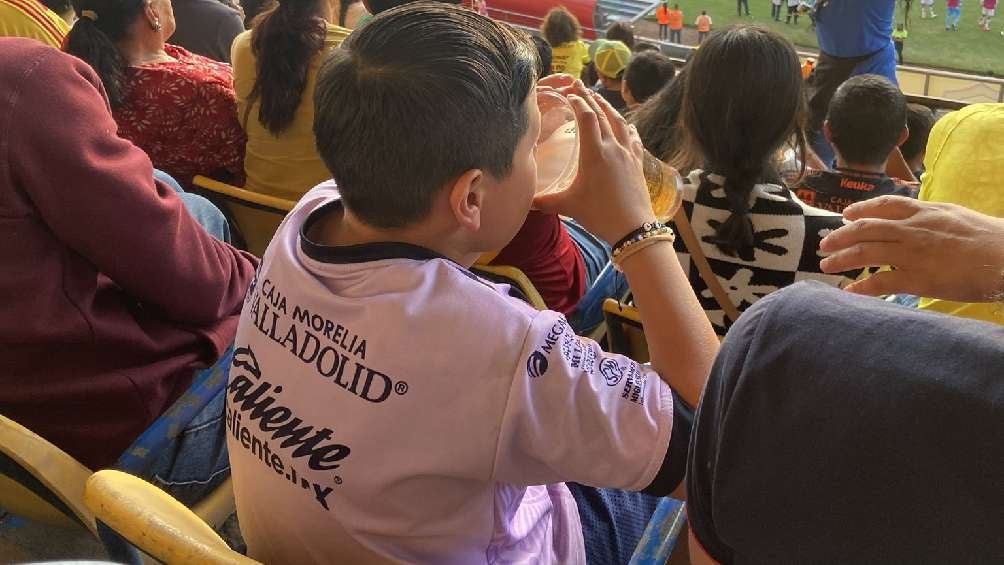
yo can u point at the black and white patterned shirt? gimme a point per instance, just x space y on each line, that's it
787 236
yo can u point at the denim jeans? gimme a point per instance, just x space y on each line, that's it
196 462
613 521
602 280
205 213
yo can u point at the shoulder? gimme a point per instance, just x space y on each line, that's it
28 66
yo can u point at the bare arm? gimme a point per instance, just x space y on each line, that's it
610 199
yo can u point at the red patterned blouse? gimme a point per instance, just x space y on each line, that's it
183 113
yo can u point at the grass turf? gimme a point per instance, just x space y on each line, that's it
969 50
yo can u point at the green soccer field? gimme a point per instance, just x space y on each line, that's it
969 49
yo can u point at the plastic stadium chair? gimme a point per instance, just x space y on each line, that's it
662 536
256 216
154 522
515 278
624 330
39 481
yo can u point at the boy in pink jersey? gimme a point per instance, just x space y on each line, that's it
386 404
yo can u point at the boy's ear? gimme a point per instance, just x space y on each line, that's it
903 136
467 198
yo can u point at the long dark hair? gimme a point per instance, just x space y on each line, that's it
284 41
95 36
743 99
659 125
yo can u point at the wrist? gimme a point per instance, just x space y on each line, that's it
626 227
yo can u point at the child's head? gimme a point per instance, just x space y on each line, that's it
743 99
919 120
610 59
866 120
645 75
544 55
621 31
426 114
560 26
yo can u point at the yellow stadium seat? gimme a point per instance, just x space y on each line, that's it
154 522
256 216
39 481
515 278
624 330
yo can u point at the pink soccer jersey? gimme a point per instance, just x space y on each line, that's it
385 404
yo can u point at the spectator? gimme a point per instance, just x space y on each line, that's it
927 9
645 75
800 412
498 491
252 8
621 31
178 107
867 120
676 24
953 9
807 67
898 39
610 59
792 11
662 18
63 9
854 39
919 120
351 14
775 9
206 27
964 161
31 19
562 32
275 68
755 235
660 128
113 297
544 54
703 24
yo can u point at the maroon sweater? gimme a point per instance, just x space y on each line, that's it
110 294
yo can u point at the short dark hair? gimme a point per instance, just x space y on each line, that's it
377 6
560 26
544 55
621 31
867 114
413 99
647 73
60 7
920 119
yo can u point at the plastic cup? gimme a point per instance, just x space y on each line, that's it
557 157
557 152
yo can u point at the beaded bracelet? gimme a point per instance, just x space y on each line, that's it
640 246
639 239
636 235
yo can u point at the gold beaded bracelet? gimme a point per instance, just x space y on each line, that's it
634 246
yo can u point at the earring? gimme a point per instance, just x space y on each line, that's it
156 25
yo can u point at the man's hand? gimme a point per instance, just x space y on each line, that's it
936 250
